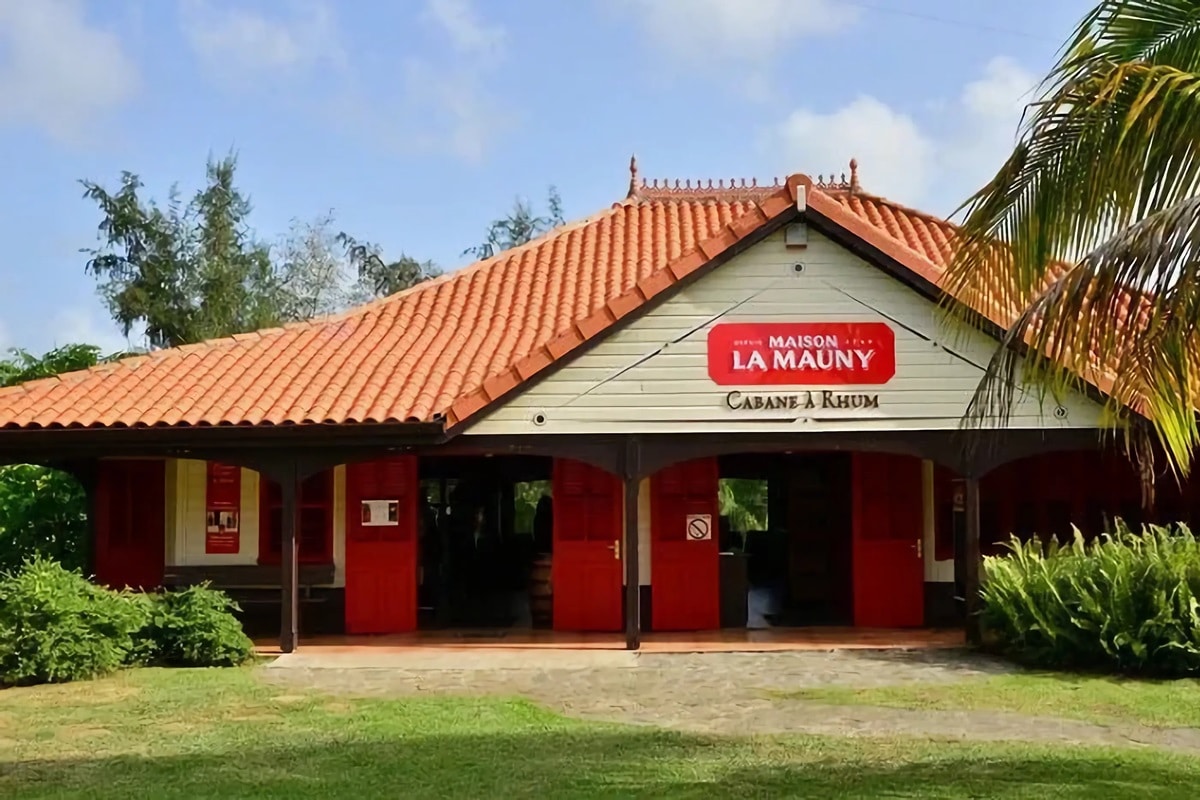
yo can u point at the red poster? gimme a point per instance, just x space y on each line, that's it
222 508
801 354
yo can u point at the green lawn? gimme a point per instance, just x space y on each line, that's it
213 733
1159 704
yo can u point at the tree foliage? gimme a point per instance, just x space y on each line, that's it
521 225
1095 219
195 270
381 277
24 366
43 512
744 502
186 271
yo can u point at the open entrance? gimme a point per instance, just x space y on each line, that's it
787 521
483 524
513 542
799 540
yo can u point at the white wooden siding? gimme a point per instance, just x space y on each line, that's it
652 376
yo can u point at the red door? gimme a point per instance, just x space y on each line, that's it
889 568
685 548
381 545
130 523
586 570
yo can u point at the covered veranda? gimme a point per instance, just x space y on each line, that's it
289 456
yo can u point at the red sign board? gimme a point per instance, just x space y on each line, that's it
222 508
801 354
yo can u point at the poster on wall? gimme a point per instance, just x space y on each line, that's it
222 517
801 353
380 512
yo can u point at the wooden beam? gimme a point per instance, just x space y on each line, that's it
972 562
633 617
289 559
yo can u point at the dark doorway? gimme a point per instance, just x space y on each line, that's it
483 526
798 568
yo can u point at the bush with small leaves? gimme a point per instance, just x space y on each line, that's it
1125 602
56 626
195 627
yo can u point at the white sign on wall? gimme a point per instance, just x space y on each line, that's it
380 512
699 527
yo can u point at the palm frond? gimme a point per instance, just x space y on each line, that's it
1125 318
1093 221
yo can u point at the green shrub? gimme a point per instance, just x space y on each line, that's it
56 626
195 627
1125 602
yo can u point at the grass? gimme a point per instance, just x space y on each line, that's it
1106 700
223 733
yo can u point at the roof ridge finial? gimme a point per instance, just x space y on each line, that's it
633 176
854 185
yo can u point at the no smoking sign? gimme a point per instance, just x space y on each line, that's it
699 527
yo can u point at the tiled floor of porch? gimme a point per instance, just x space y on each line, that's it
724 641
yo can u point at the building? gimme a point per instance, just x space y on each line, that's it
784 336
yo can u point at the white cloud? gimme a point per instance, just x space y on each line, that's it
58 72
462 118
468 33
233 41
738 41
933 167
442 104
747 30
900 156
991 109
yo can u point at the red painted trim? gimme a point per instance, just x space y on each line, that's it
887 527
382 562
685 574
129 519
585 575
271 555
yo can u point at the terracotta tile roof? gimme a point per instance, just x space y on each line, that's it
443 350
440 350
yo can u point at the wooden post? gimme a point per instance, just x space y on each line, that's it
972 562
633 622
289 559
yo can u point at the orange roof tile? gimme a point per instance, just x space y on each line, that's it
445 349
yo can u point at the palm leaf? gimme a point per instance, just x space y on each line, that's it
1085 243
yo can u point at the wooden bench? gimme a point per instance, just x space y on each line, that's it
248 578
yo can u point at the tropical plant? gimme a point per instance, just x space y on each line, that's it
744 502
527 495
1127 602
1086 243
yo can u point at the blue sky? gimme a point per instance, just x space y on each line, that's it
417 121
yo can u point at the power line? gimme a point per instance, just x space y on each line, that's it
958 23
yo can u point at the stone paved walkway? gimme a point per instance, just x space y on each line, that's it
731 693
